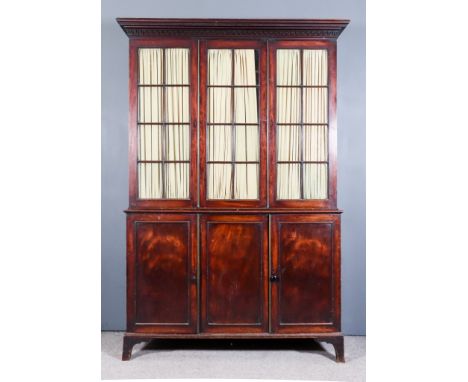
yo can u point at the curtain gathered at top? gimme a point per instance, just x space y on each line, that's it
232 128
167 141
230 108
302 118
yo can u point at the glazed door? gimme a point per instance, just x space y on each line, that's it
161 273
305 273
163 123
302 117
234 274
233 88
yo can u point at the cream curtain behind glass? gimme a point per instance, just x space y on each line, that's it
219 111
177 135
289 136
298 141
222 136
245 111
169 142
315 136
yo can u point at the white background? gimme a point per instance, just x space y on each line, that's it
416 191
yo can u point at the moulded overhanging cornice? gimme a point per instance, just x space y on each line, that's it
256 28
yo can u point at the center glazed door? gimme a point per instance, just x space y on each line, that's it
234 273
233 88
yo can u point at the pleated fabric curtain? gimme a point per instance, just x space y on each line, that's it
227 141
315 100
288 111
164 130
164 135
302 118
219 112
150 110
177 133
246 136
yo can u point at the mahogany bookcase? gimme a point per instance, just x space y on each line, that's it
233 229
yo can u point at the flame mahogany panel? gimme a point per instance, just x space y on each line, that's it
234 269
305 258
162 272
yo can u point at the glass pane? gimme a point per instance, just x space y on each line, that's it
302 107
245 67
288 67
315 105
150 62
288 181
219 181
177 142
245 105
247 143
315 181
150 105
219 143
176 182
315 143
150 181
177 105
177 66
169 139
150 141
315 67
288 105
288 143
219 67
222 140
219 105
246 181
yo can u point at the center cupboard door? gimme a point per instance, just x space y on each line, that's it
305 287
234 274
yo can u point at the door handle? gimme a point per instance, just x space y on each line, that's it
274 278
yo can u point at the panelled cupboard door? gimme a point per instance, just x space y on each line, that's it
161 273
234 273
305 287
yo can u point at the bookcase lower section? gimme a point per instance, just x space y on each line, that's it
246 276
